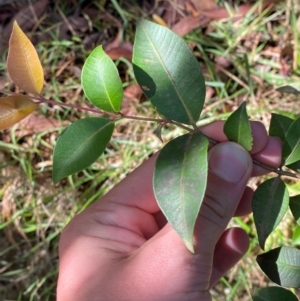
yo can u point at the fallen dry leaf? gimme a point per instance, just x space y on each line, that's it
201 5
124 51
187 24
115 49
36 124
76 23
133 92
191 9
26 18
241 11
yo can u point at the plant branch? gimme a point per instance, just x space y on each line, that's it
117 116
40 99
157 120
279 171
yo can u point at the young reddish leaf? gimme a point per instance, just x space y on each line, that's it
13 109
282 266
101 81
274 293
80 145
270 202
237 127
179 182
279 125
23 64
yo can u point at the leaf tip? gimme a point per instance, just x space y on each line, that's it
190 246
262 244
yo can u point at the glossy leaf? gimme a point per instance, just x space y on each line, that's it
13 109
23 64
101 81
273 293
80 145
237 127
270 202
179 182
291 143
168 73
295 207
282 266
279 125
291 88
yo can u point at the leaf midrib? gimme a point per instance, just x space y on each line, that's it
28 65
101 77
82 145
192 121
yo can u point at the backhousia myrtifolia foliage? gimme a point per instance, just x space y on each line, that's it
170 77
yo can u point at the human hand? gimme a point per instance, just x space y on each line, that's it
122 248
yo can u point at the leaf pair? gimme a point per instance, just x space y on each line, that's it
169 76
25 70
271 198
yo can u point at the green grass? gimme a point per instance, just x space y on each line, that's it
240 62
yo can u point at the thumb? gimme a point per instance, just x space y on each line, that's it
230 167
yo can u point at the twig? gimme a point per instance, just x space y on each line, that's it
118 116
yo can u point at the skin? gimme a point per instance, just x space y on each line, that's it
122 248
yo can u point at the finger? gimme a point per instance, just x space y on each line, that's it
245 205
260 137
230 168
231 247
269 155
136 189
265 149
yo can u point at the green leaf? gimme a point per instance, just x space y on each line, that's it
295 166
282 266
291 143
279 125
295 207
270 202
168 72
237 127
80 145
273 293
290 88
101 82
179 182
296 236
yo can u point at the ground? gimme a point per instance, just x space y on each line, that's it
245 49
